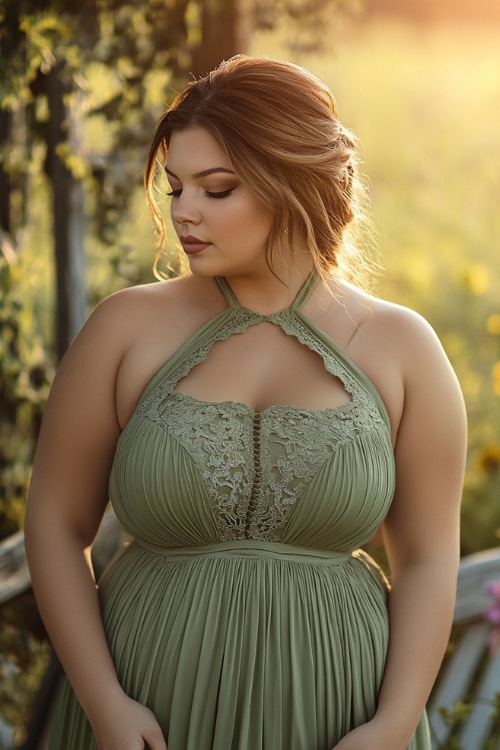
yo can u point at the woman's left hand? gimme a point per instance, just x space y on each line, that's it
369 736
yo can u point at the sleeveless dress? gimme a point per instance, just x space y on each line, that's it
242 613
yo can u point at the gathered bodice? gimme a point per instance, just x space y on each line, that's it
191 472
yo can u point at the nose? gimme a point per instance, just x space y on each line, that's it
183 209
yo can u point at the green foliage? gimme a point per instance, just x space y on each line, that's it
454 719
24 659
25 374
308 23
26 371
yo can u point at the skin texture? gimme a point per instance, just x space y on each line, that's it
130 336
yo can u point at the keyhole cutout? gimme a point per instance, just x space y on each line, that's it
261 368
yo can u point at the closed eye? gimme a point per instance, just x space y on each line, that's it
220 194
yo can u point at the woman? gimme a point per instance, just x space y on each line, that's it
256 420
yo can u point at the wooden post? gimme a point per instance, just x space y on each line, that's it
69 218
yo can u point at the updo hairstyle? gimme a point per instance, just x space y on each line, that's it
278 125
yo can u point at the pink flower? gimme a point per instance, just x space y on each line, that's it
493 590
492 614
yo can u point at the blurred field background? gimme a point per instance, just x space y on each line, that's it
422 93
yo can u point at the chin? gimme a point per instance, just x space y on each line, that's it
203 269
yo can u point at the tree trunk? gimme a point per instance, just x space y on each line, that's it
69 219
225 31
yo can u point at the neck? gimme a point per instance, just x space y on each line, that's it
267 293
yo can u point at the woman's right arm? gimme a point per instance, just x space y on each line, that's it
66 502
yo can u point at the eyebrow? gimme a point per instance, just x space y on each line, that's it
204 173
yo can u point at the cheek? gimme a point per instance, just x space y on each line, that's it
261 226
251 223
251 229
257 219
236 219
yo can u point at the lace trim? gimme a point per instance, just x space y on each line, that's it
238 322
302 442
231 445
255 467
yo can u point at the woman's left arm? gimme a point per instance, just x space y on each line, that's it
421 535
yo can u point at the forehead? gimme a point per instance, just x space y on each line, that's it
194 150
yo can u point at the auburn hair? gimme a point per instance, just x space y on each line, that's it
279 126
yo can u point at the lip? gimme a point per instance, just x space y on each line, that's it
192 244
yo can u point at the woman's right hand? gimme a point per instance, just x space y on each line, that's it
127 725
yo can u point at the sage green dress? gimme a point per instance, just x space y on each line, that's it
242 613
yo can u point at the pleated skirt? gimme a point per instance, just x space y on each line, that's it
243 646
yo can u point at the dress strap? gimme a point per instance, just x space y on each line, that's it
303 294
305 290
226 291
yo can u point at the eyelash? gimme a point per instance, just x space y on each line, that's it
219 195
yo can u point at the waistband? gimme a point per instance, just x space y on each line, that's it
249 549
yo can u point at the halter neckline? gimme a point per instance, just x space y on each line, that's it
299 301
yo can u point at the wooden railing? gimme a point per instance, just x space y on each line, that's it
471 675
14 574
14 580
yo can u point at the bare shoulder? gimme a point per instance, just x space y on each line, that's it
167 312
126 339
143 325
394 329
97 384
131 308
398 350
407 341
147 324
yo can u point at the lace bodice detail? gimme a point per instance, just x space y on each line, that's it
256 466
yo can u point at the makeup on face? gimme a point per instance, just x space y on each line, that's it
221 224
215 190
192 244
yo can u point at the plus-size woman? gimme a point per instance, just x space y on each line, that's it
253 422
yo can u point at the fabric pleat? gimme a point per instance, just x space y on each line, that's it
243 652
